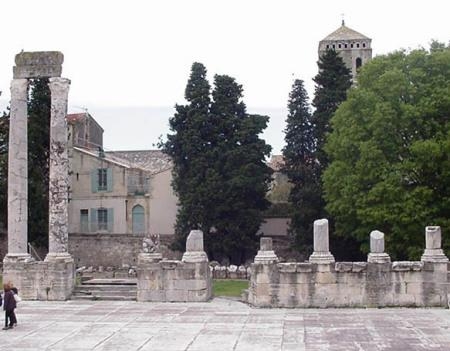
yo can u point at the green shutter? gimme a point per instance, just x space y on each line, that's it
94 181
110 220
109 179
94 221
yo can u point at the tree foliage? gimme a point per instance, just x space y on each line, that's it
38 161
301 167
219 172
389 151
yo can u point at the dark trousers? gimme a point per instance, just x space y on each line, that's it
11 316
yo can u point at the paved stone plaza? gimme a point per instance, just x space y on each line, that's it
221 325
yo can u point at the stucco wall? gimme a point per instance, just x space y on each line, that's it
163 204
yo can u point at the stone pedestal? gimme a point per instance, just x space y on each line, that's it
377 254
433 251
194 248
266 254
321 254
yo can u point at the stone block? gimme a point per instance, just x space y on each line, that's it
176 296
194 241
359 267
325 278
304 267
343 266
287 267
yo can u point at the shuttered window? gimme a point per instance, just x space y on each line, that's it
102 219
102 180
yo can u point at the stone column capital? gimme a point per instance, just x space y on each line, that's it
59 85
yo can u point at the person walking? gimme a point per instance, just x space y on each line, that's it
9 304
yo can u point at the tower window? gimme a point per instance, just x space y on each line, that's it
334 46
328 46
357 45
364 45
358 62
345 46
339 46
351 45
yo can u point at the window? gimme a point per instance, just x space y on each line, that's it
101 180
358 62
364 45
84 221
333 46
351 45
138 217
328 46
357 45
345 46
339 46
102 218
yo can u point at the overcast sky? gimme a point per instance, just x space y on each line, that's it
129 60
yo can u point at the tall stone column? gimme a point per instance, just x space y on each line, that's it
59 170
18 173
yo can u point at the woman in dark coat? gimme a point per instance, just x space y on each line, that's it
9 304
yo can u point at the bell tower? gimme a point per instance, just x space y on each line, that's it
354 48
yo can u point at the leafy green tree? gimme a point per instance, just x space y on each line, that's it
389 151
301 167
219 172
38 161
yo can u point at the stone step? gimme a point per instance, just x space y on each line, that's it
104 281
105 293
106 287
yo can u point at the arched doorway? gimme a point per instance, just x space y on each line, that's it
138 217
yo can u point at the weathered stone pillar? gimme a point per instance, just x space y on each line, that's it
433 251
194 248
377 254
59 170
321 252
266 253
18 173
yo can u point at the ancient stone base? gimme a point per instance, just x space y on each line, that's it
266 256
378 258
50 280
321 258
434 255
173 281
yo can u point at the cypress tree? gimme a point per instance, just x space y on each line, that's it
301 167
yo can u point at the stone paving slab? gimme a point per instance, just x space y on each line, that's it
221 325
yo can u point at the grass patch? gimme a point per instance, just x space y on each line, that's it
229 287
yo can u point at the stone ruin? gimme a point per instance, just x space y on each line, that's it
321 282
188 280
52 279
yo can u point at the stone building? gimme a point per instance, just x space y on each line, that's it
354 48
116 198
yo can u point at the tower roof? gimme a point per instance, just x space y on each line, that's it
344 33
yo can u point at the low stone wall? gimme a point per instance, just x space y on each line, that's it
41 280
108 250
349 284
188 280
229 272
377 283
173 281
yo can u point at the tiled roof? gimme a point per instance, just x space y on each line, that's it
154 161
345 33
